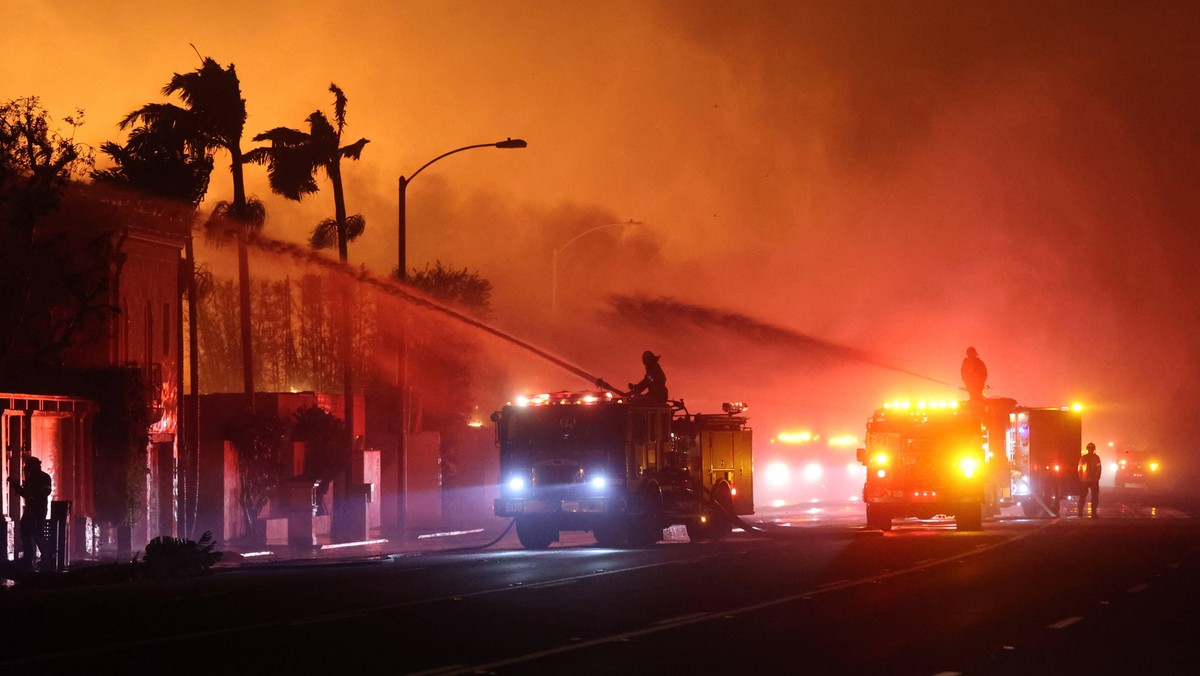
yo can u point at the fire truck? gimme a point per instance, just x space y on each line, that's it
967 460
601 462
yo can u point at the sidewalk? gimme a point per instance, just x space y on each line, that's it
416 540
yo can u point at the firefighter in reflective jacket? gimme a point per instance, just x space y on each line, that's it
1089 478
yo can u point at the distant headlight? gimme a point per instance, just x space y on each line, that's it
813 472
517 484
777 474
599 482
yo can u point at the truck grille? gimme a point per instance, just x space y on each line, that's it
557 472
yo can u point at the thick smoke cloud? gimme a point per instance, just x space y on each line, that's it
903 180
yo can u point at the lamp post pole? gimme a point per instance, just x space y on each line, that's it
554 259
402 330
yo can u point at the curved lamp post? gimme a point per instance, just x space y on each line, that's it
402 339
554 259
402 259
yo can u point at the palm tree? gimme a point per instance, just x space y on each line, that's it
293 159
213 118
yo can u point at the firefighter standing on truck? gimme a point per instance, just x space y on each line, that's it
1089 478
654 384
974 374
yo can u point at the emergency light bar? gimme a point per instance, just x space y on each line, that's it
563 397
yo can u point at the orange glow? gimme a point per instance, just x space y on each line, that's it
953 118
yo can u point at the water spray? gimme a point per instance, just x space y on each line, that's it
410 294
651 312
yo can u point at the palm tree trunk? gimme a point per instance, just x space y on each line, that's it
344 345
191 430
239 210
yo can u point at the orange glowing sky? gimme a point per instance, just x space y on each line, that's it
905 178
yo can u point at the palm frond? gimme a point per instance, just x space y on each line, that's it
324 235
354 150
214 94
224 222
339 107
283 136
155 114
355 225
219 228
323 137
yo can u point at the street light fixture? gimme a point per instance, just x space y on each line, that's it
402 259
402 338
554 259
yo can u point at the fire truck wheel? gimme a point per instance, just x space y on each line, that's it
646 527
969 517
878 518
611 535
534 534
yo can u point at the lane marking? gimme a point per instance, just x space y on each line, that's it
1063 624
1138 588
682 619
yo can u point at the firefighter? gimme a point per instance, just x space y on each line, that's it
1089 478
654 385
36 491
974 374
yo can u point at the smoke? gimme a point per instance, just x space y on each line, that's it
909 181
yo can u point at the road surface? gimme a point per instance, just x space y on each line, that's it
818 594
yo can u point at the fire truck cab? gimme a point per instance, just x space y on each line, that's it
923 460
594 461
968 459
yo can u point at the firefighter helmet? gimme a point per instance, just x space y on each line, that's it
648 357
971 352
1091 446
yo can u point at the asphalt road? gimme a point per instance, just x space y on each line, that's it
819 594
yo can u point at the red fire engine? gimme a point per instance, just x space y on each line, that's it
597 461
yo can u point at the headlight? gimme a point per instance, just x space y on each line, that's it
517 484
969 466
1154 467
880 459
777 474
599 482
813 472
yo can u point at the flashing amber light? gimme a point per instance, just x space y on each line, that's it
1077 407
844 440
795 437
732 490
475 423
1056 468
880 459
968 465
923 405
1154 467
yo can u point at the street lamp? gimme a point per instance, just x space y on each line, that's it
402 259
402 338
554 259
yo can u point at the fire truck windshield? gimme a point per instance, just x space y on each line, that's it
563 430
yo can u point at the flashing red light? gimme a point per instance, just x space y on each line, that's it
732 491
1056 468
